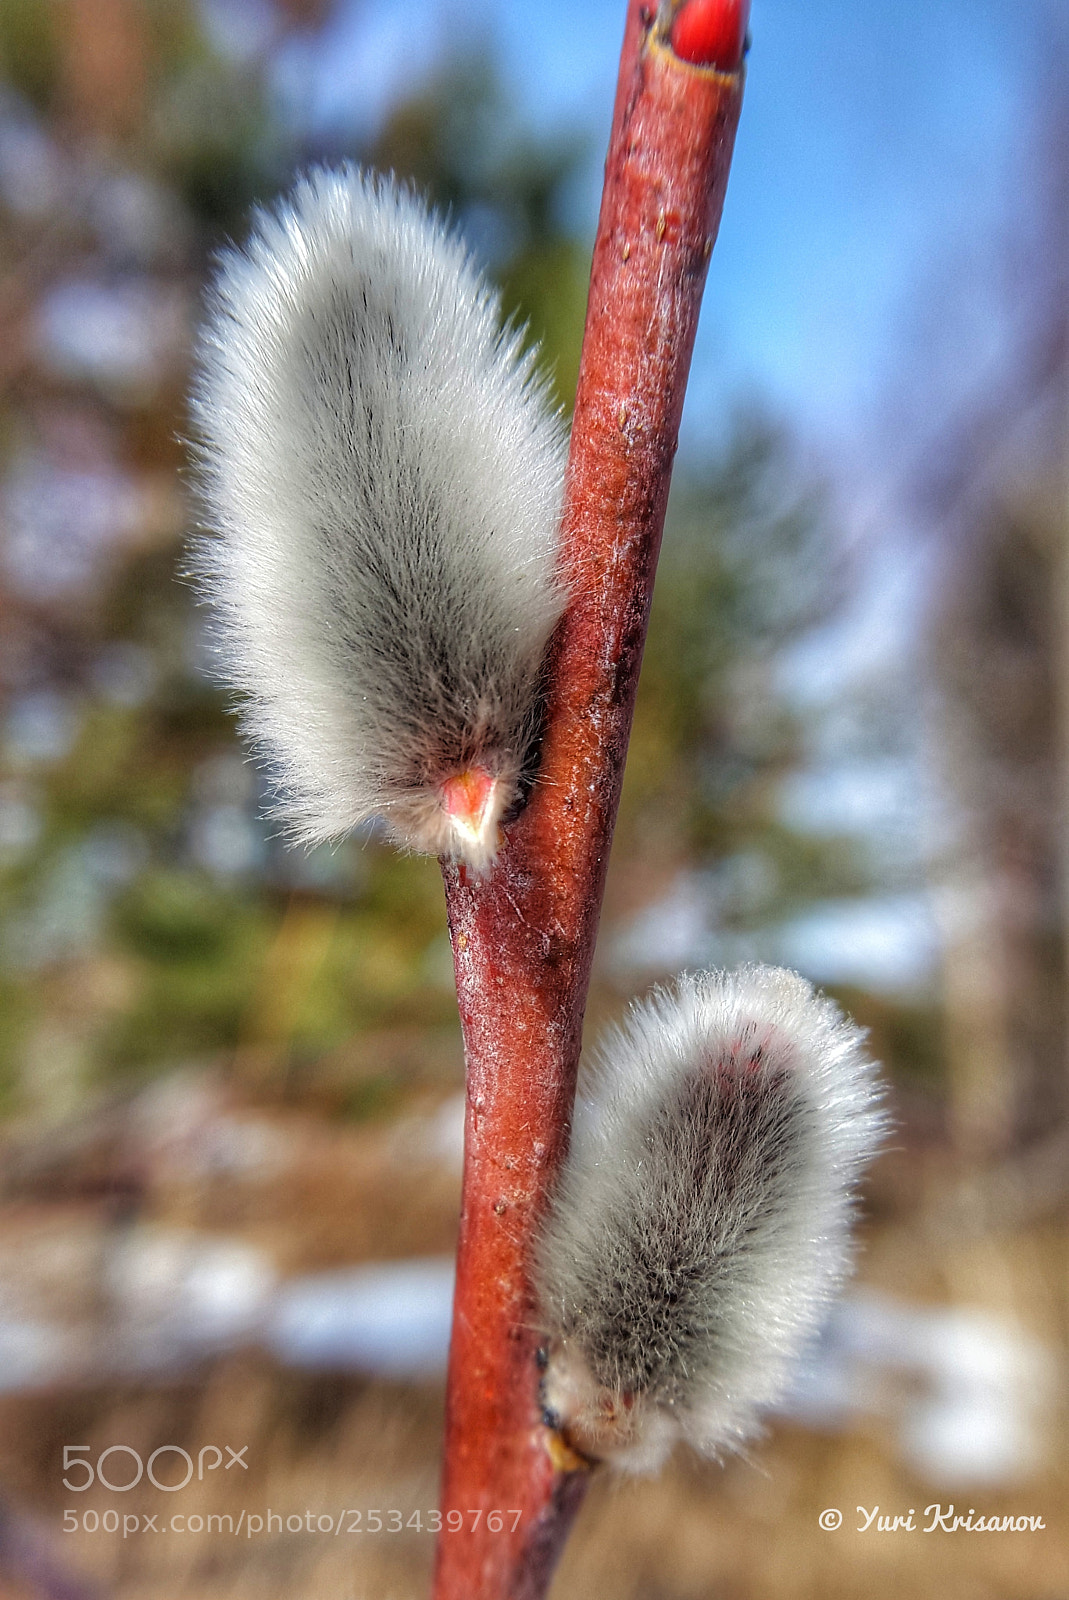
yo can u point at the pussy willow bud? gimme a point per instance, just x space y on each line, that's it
381 472
702 1219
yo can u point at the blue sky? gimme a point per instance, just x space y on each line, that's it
876 139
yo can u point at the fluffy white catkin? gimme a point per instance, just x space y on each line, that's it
381 472
702 1219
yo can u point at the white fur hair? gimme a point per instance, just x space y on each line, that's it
702 1219
381 471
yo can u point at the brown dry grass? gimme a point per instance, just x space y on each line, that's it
745 1531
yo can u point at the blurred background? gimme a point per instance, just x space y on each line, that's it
230 1074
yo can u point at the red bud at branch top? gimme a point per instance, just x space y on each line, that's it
712 33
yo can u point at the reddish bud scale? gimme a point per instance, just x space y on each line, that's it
712 33
467 794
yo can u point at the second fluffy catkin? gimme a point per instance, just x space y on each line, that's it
381 473
702 1219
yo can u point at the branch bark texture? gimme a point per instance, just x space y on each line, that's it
523 937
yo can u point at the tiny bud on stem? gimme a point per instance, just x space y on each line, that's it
712 33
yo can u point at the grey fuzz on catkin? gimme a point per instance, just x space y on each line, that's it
702 1219
381 475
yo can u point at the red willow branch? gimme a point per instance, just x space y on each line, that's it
523 936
